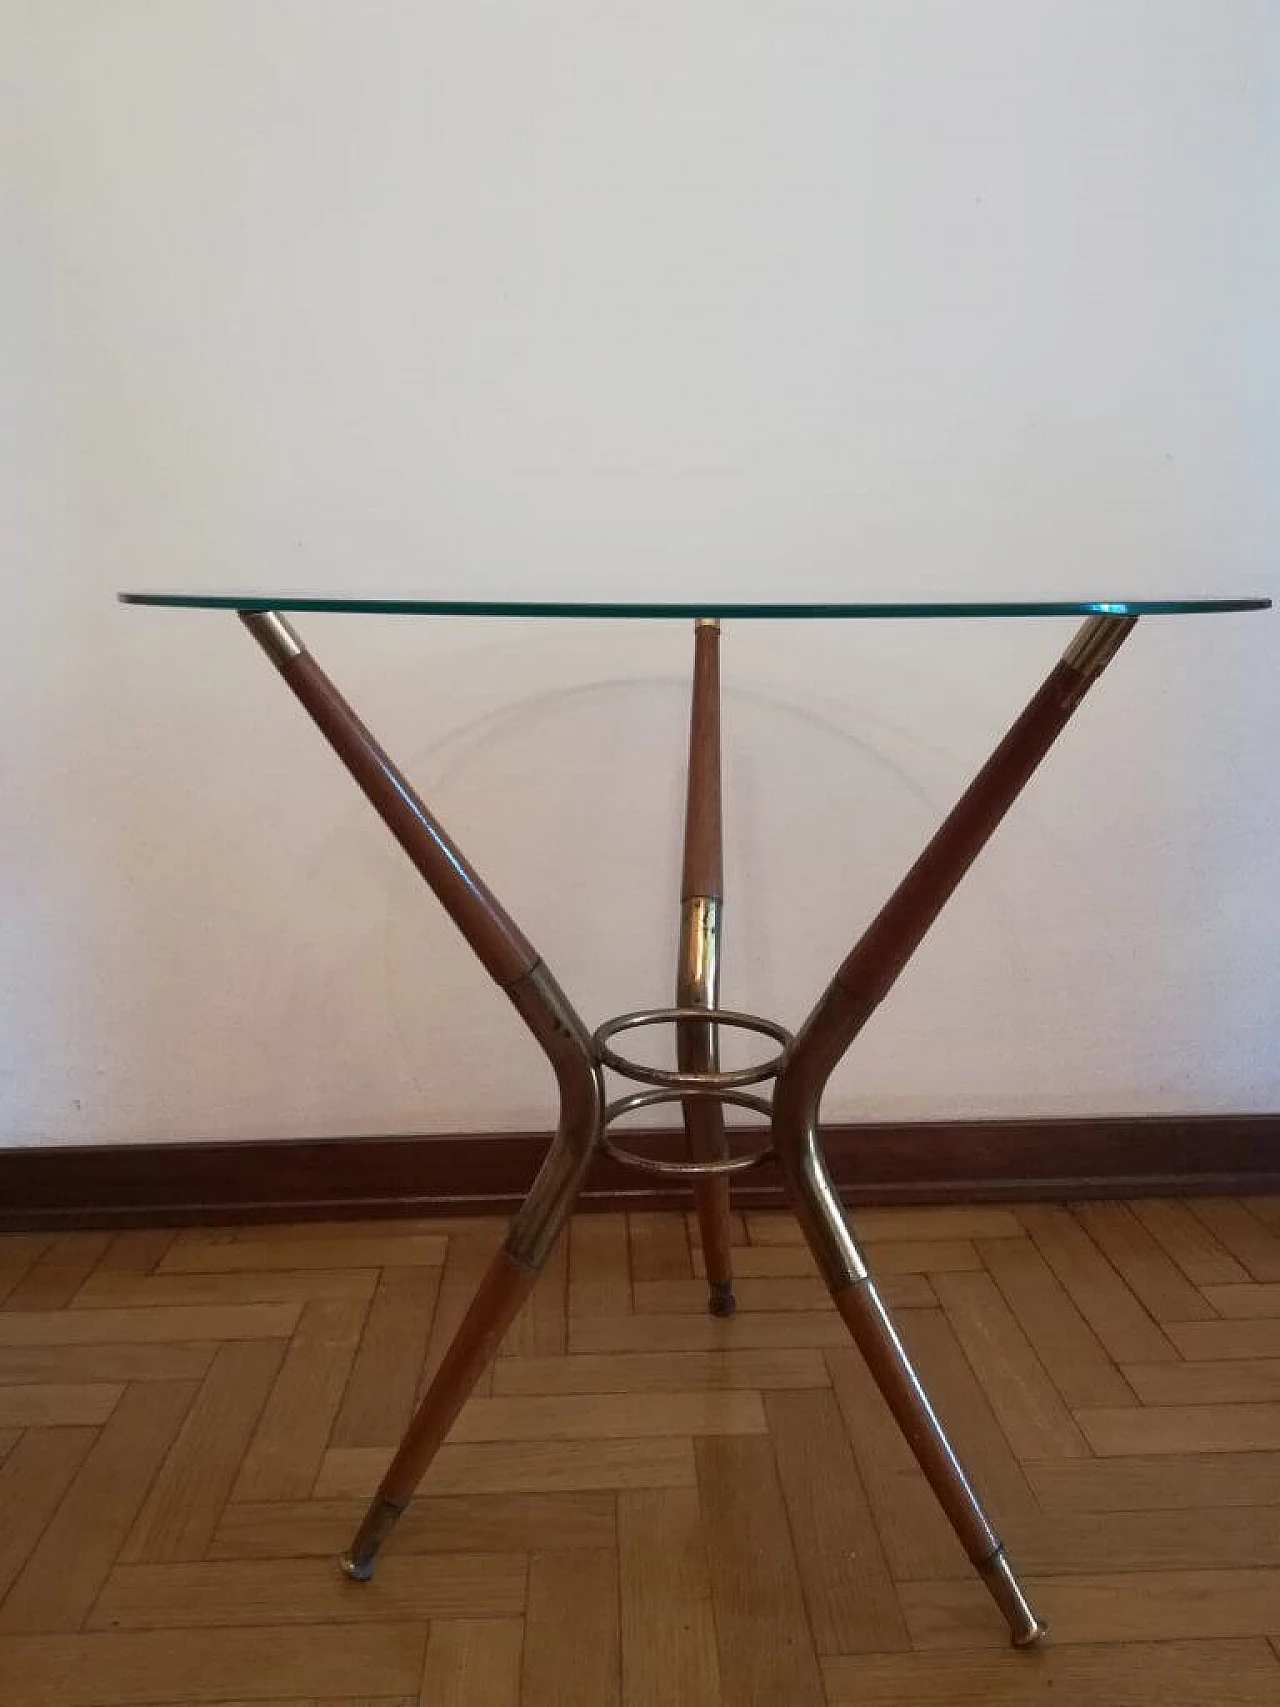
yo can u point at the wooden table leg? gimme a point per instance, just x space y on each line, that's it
862 982
514 965
698 971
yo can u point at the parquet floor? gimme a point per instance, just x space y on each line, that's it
642 1505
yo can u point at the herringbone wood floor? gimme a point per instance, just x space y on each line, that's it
642 1506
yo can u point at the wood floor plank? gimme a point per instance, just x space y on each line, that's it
1246 1381
125 1669
473 1663
45 1404
610 1416
799 1293
1066 1345
199 1255
69 1563
668 1630
493 1228
541 1327
1182 1428
659 1246
288 1444
18 1252
1250 1302
1157 1282
663 1372
1243 1234
852 1606
760 1329
108 1327
540 1466
295 1701
917 1539
870 1226
1073 1542
1116 1606
737 1230
1209 1341
186 1499
137 1250
765 1646
105 1290
571 1645
55 1277
892 1257
378 1401
1030 1410
1202 1258
759 1262
361 1227
1122 1324
115 1363
453 1523
244 1592
1228 1673
1175 1481
599 1273
33 1479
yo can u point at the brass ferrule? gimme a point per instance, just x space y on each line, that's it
276 637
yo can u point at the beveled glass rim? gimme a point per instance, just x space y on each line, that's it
721 608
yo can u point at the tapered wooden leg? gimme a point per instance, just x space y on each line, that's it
510 959
491 1312
698 972
877 1339
513 1271
859 986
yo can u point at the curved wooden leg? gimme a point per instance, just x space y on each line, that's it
495 1306
861 983
698 972
514 1270
515 966
866 1318
859 1303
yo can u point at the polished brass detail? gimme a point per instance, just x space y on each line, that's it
706 622
698 977
813 1194
547 1012
1096 644
1024 1627
693 1080
707 1168
277 638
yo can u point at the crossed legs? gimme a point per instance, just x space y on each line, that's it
858 987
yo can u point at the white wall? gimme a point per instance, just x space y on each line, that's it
832 297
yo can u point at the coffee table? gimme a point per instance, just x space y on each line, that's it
798 1065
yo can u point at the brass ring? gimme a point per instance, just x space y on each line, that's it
670 1080
684 1170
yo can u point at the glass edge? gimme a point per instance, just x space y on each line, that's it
727 609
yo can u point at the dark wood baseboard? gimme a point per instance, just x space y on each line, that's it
140 1184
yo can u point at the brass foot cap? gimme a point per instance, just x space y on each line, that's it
722 1301
359 1570
1029 1638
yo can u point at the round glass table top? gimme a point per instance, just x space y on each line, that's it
711 607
